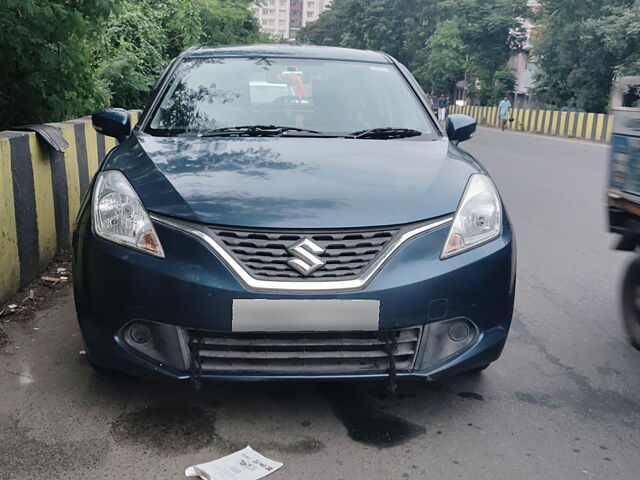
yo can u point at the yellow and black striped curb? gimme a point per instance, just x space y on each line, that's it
596 127
40 194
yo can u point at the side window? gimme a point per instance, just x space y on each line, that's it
631 98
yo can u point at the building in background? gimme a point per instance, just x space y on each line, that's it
523 64
283 19
296 18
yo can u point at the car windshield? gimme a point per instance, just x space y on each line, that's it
319 96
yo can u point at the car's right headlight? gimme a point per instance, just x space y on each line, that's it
119 216
478 219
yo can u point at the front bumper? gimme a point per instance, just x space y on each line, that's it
193 290
624 218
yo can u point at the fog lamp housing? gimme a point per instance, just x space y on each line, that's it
443 341
163 343
139 333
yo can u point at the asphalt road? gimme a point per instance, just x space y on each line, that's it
562 403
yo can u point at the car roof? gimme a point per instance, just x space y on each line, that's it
290 51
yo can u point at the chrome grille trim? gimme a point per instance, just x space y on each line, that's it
201 232
305 353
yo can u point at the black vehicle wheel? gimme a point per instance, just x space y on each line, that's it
631 302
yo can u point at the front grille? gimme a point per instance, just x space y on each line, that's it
305 353
264 255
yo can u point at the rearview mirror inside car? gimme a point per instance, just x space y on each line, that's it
460 127
112 122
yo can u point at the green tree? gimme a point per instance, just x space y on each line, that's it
442 63
209 22
491 32
620 32
326 30
503 83
47 69
397 27
441 41
141 36
581 45
65 58
131 52
229 22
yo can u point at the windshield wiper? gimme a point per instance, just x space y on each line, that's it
386 133
253 131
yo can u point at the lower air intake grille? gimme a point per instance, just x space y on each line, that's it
305 353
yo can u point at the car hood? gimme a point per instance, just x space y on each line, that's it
291 182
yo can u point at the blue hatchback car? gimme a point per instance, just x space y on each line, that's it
287 212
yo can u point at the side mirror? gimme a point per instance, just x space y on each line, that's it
112 122
460 128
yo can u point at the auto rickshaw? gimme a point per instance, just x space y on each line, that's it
624 193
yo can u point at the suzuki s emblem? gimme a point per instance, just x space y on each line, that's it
307 260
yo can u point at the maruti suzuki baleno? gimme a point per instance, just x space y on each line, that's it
284 212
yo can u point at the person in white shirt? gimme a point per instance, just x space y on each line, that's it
504 107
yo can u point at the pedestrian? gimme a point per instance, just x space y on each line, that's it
442 107
504 108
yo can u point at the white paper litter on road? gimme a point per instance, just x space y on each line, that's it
247 464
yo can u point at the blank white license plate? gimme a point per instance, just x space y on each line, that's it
305 315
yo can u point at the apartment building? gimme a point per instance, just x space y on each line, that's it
284 18
523 64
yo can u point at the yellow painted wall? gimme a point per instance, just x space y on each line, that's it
546 122
9 265
45 215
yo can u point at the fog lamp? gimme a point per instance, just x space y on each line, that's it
139 333
459 332
442 341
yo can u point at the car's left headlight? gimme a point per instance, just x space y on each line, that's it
119 216
478 219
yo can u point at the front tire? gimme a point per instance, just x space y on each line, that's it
631 302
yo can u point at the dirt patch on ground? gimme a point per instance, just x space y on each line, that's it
39 294
167 428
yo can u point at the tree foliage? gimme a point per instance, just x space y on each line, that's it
583 45
620 33
64 58
397 27
138 41
46 69
441 41
491 32
444 61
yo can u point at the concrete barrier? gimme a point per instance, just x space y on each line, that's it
596 127
40 194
